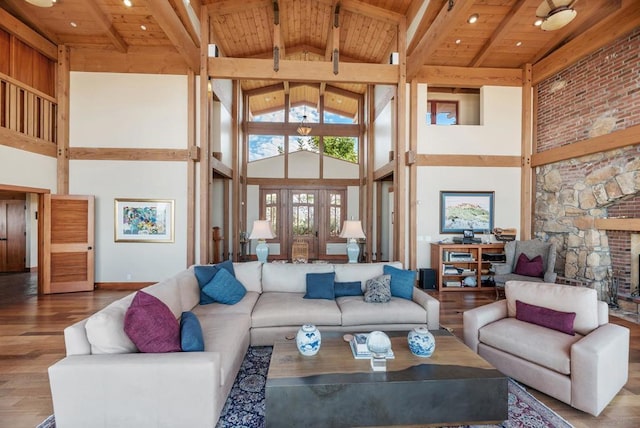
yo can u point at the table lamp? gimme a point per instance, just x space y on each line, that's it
352 230
262 231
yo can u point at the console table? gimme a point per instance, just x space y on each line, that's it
454 262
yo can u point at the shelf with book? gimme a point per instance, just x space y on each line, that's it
454 263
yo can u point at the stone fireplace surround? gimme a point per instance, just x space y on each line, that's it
571 197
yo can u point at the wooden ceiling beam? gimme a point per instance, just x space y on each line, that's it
264 90
166 17
616 25
426 19
374 12
470 77
446 21
302 71
189 16
509 21
14 26
105 23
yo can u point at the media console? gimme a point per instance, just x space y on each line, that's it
458 266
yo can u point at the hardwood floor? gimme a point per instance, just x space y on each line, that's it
31 340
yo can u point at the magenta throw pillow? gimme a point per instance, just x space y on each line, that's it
545 317
150 324
529 267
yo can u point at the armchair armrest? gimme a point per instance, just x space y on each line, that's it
599 367
138 390
501 268
474 319
431 305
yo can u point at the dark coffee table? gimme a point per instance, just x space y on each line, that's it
333 389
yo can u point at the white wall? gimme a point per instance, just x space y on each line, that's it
20 168
337 168
304 164
112 110
498 134
383 142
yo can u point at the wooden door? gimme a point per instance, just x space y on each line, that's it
13 241
67 233
304 220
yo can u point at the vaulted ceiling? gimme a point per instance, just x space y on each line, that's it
164 35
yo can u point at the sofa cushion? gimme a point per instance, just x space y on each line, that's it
402 281
243 307
105 329
361 271
291 309
151 325
320 286
188 289
543 346
224 288
566 298
378 289
351 288
205 273
191 339
355 311
545 317
167 292
289 277
250 275
529 267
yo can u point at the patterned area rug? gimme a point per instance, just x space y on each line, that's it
245 406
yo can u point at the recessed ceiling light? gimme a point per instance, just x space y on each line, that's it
518 43
73 24
458 41
127 3
473 18
538 22
143 27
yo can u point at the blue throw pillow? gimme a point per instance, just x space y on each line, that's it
402 281
191 339
320 286
352 288
204 275
224 288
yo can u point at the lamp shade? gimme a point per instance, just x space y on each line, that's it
41 3
352 229
261 230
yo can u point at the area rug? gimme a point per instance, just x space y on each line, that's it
245 406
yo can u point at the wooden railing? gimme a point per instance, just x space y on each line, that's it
27 110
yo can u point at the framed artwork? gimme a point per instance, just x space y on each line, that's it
460 211
144 220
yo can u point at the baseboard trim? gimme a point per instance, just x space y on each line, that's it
121 285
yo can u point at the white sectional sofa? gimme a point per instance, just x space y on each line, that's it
104 382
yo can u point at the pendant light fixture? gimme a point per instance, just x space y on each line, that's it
304 129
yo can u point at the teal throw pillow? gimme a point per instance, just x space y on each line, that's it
352 288
402 281
204 275
191 339
320 286
224 288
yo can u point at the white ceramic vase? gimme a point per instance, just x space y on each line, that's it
308 340
421 342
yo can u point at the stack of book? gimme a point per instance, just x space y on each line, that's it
359 347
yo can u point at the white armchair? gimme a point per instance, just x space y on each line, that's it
585 370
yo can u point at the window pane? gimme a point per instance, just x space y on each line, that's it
344 148
265 146
446 113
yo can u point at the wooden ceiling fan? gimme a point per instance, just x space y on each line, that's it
556 14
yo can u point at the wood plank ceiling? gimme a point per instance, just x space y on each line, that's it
163 36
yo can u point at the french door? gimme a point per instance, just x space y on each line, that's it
305 215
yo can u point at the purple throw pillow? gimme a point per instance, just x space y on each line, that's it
545 317
529 267
150 324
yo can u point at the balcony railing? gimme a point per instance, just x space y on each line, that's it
27 110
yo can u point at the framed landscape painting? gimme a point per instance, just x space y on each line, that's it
460 211
144 220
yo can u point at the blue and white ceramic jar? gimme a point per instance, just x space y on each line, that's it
308 340
421 342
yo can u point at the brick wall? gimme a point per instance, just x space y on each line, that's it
598 95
